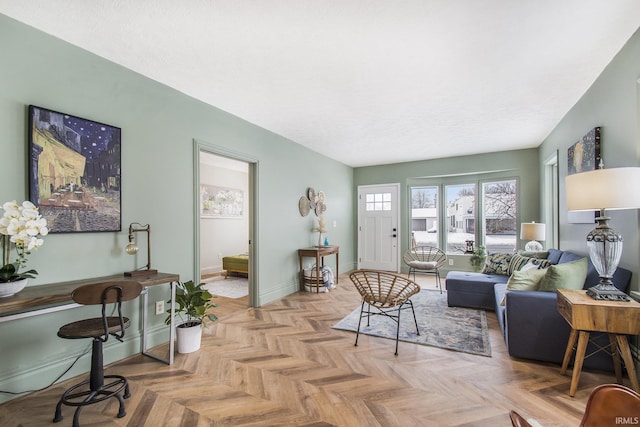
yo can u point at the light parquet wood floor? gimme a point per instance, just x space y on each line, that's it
283 365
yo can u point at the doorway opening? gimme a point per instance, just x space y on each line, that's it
224 229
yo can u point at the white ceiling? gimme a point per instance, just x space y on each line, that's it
362 81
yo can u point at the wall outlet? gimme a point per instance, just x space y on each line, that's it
450 261
159 307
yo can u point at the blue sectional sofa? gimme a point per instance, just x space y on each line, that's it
529 320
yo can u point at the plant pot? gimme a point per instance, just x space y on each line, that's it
11 288
189 337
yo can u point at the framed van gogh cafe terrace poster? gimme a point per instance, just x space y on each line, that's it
74 172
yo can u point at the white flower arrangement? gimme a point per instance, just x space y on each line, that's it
21 227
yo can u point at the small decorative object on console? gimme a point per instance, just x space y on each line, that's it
21 228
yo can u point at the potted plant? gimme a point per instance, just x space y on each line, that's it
192 303
21 229
477 258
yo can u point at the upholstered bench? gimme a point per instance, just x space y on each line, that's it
235 264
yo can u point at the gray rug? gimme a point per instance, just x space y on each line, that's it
452 328
231 287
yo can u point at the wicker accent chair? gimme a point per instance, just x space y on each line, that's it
387 292
608 404
425 259
99 329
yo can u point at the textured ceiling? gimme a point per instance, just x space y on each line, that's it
362 81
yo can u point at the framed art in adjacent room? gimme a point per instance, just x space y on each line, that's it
583 156
74 172
221 202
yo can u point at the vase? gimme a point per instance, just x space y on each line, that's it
319 239
189 338
8 289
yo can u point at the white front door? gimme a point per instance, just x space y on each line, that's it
378 230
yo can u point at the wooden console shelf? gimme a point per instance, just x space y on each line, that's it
56 294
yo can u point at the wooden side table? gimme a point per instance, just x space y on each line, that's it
585 314
317 252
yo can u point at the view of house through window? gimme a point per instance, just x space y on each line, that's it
424 215
499 201
461 216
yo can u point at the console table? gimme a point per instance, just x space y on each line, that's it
36 300
585 314
317 252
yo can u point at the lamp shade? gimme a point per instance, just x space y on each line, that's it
532 231
615 188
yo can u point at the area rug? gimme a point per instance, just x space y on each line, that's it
231 287
452 328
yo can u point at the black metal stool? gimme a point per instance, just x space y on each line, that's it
99 329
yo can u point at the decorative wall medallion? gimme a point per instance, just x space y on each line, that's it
303 206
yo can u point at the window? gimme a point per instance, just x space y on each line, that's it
424 216
461 217
378 202
499 204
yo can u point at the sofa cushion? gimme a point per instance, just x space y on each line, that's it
520 262
497 263
466 289
568 275
554 255
525 280
535 254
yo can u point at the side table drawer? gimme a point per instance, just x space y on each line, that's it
564 308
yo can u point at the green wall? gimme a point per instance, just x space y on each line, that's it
520 164
613 103
159 126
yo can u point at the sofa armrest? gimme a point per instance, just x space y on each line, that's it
534 327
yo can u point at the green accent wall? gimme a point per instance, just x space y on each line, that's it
519 164
613 103
159 126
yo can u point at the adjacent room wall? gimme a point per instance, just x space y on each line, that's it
220 237
612 103
159 125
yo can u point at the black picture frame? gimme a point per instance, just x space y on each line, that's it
584 155
74 172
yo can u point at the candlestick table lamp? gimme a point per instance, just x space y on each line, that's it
603 189
132 249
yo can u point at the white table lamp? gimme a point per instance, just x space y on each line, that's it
533 231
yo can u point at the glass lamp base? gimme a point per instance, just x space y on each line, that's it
607 292
533 246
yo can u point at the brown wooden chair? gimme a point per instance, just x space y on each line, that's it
425 259
99 329
611 405
517 420
389 293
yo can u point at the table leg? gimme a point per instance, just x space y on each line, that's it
301 273
172 325
573 336
625 352
337 268
616 360
317 272
583 340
